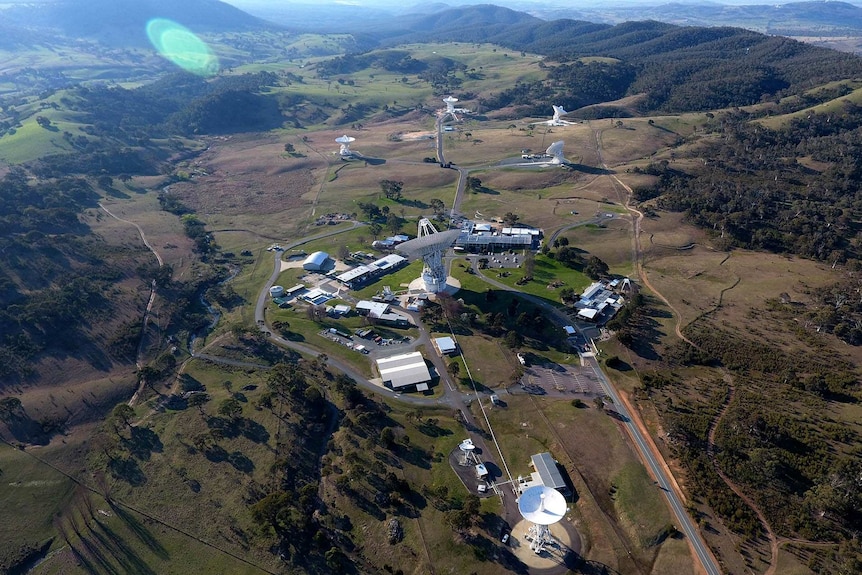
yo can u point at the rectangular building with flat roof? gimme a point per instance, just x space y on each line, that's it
548 472
404 370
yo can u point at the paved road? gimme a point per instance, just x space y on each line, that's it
455 398
685 523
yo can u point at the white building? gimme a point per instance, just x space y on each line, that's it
445 345
404 370
316 261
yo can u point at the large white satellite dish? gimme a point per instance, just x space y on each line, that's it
345 141
542 506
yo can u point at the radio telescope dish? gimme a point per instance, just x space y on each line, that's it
345 144
555 150
542 506
450 104
558 112
430 245
466 448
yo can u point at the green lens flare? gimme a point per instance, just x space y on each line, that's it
182 47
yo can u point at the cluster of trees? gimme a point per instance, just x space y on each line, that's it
675 68
54 276
398 61
777 438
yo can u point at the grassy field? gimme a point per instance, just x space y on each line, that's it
546 272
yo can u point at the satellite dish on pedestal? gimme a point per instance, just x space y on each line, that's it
345 144
542 506
430 246
450 104
466 448
555 150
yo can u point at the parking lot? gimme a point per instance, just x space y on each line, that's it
557 379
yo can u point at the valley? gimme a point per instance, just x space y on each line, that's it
255 444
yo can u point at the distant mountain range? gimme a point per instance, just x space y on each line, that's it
123 22
802 19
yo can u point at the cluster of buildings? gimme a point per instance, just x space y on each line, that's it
389 242
602 300
484 237
382 313
365 273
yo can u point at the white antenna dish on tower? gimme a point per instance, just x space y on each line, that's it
345 141
555 150
430 245
466 448
542 506
558 120
450 104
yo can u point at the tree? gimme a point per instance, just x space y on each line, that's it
438 206
459 519
230 408
123 414
474 184
513 340
393 223
289 148
471 505
454 368
343 252
392 189
387 436
43 121
596 268
105 181
198 400
10 407
599 402
375 230
510 219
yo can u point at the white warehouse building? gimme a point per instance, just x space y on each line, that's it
404 370
315 262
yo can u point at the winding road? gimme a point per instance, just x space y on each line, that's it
630 417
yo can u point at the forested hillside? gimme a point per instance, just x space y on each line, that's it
677 68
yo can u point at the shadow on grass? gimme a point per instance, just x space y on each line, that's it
129 561
143 442
240 462
140 531
127 470
414 456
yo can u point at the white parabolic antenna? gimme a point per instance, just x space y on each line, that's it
467 448
542 505
450 103
430 245
345 144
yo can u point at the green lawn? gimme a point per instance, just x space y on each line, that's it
547 270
